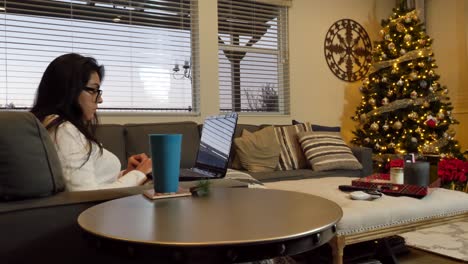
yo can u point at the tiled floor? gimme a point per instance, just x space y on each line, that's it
422 257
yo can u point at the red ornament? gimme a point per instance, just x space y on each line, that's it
431 122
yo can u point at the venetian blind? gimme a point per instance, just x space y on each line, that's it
253 57
148 49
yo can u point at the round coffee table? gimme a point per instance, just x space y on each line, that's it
230 224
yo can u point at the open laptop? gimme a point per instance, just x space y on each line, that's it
214 149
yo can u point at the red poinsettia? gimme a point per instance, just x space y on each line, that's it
452 170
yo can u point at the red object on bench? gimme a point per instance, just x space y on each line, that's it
381 182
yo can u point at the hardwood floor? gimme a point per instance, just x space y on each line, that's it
417 256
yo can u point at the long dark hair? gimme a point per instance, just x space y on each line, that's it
58 92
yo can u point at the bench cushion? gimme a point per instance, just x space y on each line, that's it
388 211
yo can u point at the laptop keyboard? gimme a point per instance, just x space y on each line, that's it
194 172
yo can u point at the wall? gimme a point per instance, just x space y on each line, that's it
316 94
446 24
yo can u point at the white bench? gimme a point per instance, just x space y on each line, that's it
386 216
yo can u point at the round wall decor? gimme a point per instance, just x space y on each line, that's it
348 50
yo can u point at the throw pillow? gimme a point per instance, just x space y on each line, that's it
29 165
291 156
258 151
327 151
320 127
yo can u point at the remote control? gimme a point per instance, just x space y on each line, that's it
350 188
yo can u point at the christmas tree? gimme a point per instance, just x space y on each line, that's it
404 108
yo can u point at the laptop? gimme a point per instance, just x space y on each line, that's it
214 149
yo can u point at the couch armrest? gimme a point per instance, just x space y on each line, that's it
364 156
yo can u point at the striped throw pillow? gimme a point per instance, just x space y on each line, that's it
291 155
327 151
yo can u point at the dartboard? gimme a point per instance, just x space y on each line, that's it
348 50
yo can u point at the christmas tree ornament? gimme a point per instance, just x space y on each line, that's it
372 101
426 104
382 33
384 79
421 64
385 126
440 116
367 140
374 126
387 37
431 89
391 46
431 73
400 27
445 91
423 84
429 59
415 18
389 92
413 115
400 82
377 146
402 52
418 130
391 145
411 65
384 56
422 41
394 70
385 101
408 19
407 37
431 121
413 75
363 118
362 89
414 95
414 140
397 125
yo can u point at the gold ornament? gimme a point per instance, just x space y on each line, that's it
382 33
440 116
391 145
418 130
408 19
387 37
407 37
421 64
385 126
391 46
384 79
374 126
414 140
413 115
385 101
389 93
402 51
411 65
422 41
414 95
413 75
397 125
431 73
400 27
426 104
400 82
363 118
372 101
367 140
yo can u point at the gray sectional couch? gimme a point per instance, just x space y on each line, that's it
44 229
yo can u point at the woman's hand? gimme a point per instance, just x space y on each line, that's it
139 162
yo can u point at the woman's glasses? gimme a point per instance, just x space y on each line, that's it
97 92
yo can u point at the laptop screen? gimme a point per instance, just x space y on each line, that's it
216 140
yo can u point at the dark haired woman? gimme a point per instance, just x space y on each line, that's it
66 102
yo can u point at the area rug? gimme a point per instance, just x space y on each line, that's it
449 240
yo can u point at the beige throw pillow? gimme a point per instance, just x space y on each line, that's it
258 151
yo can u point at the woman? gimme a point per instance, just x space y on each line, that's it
66 102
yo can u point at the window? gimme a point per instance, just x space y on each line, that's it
253 57
145 46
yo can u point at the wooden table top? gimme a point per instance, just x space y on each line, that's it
227 216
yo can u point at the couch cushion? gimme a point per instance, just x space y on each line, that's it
327 151
137 141
112 138
302 174
234 161
29 165
320 127
258 151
